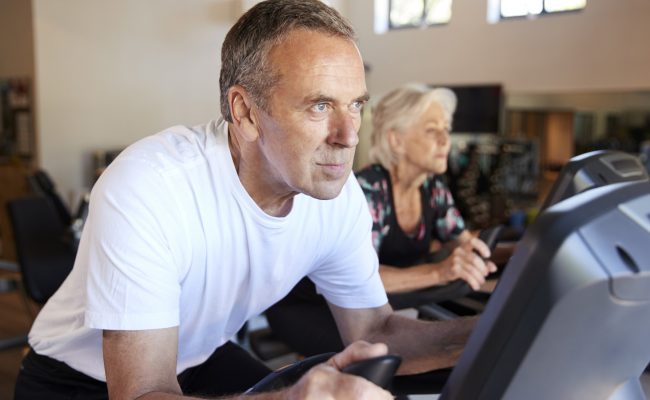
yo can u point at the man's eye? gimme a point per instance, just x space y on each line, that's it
357 105
320 107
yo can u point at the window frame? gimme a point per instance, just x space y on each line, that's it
422 24
540 14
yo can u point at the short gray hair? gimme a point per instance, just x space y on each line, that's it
245 50
398 110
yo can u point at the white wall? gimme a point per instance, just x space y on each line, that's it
111 72
605 46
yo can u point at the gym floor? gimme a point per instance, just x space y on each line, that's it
16 320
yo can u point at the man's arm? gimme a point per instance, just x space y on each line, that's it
142 365
423 345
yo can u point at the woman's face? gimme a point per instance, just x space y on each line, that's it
426 143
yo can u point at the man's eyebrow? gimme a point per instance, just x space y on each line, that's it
364 97
321 98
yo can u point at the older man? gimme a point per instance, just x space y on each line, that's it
194 230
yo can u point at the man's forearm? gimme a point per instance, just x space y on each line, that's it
424 345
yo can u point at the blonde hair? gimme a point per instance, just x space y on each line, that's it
398 110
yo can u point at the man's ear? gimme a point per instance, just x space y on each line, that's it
396 141
241 112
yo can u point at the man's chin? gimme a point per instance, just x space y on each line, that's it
326 190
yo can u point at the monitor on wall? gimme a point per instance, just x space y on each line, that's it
478 109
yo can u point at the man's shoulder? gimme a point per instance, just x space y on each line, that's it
175 145
155 163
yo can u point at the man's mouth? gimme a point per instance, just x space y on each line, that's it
333 168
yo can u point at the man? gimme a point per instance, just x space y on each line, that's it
193 231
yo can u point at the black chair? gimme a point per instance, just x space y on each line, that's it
41 184
45 257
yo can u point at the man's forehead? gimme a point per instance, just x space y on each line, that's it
318 63
302 48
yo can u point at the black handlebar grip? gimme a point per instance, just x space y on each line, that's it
378 370
491 236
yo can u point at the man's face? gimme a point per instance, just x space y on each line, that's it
308 137
427 142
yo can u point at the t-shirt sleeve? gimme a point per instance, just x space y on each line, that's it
133 280
448 223
349 275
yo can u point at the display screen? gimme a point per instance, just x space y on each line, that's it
478 109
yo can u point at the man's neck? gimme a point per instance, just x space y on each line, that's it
248 164
233 146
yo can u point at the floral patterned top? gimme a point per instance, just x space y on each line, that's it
440 221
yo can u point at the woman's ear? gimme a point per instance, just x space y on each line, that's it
241 112
396 141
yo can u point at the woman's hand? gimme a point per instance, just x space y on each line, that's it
467 262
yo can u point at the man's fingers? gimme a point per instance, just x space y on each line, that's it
357 351
324 381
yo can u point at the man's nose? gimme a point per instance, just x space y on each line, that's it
344 130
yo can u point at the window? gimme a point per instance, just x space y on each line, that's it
418 13
522 8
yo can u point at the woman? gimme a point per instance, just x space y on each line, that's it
413 210
413 214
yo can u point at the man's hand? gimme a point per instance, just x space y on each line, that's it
326 382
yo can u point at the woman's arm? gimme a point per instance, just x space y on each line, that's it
463 263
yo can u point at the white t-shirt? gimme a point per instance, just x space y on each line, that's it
174 239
